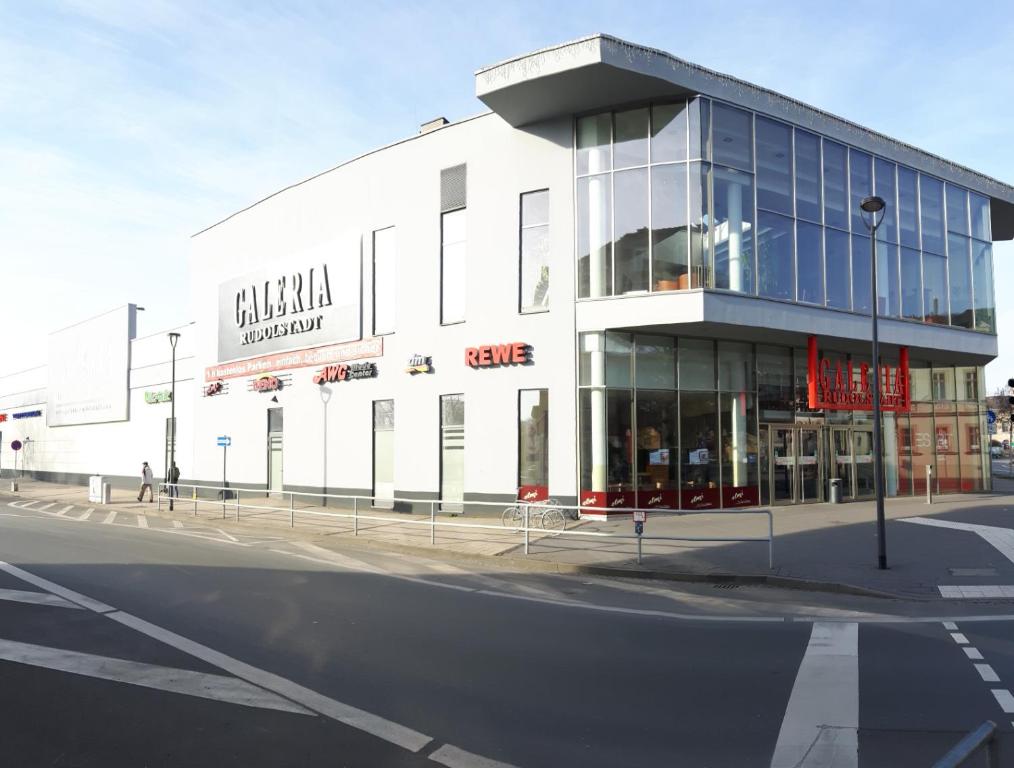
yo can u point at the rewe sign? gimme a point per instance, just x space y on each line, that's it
490 355
833 386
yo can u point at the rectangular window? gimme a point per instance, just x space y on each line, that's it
453 251
739 439
669 132
533 441
931 207
534 240
888 291
669 231
911 284
657 444
733 136
385 281
982 275
808 197
860 185
594 236
957 210
383 452
452 452
980 216
776 278
630 147
594 138
960 280
698 440
836 201
861 277
774 166
908 206
619 431
839 276
630 230
732 229
934 288
809 263
697 364
655 362
886 187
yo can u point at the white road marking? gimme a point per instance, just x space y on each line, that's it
37 598
177 524
821 721
987 673
67 594
453 757
185 681
1001 538
228 536
47 506
26 504
65 510
86 515
977 591
343 561
142 521
110 518
1004 699
972 653
950 626
959 638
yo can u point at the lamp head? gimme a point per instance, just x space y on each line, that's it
173 338
325 393
873 204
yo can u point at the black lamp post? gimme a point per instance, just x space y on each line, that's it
173 338
874 205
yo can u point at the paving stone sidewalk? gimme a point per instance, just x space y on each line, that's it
819 546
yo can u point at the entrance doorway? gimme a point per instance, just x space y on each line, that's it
274 449
792 464
852 452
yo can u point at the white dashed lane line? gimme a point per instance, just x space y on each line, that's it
986 673
972 653
959 638
1004 699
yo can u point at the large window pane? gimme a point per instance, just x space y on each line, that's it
618 359
808 197
669 231
735 366
591 359
732 231
809 263
775 273
839 274
980 216
860 185
697 364
774 383
619 431
970 446
888 290
631 143
591 418
957 210
700 272
657 446
960 273
934 288
533 438
699 114
669 132
911 284
861 276
594 237
452 451
535 251
594 134
908 206
732 142
383 450
452 267
931 207
698 449
836 209
982 273
655 362
385 280
630 248
739 439
774 166
885 186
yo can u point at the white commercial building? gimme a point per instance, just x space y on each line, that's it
633 282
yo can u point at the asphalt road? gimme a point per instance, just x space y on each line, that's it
216 649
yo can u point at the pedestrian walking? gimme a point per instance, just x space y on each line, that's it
174 477
146 478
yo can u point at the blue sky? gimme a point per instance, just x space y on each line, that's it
126 127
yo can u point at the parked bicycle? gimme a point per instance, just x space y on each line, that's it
544 514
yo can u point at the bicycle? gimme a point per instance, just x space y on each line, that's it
544 514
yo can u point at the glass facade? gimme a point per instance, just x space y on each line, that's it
701 194
534 241
697 423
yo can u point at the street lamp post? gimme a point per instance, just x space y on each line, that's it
173 338
873 205
325 395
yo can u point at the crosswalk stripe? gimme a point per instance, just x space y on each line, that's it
177 524
86 515
1004 699
66 509
821 722
185 681
110 518
28 504
37 598
142 521
47 506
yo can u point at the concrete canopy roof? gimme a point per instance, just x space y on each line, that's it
600 71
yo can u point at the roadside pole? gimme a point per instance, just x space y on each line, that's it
224 441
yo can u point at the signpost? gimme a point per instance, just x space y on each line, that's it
639 517
16 446
224 441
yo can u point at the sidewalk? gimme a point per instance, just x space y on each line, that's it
824 547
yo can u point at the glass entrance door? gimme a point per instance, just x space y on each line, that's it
791 464
841 459
783 465
808 463
862 441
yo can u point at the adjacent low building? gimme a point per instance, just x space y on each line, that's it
632 282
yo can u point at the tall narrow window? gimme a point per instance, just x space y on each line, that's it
533 443
383 453
385 278
452 267
535 251
452 452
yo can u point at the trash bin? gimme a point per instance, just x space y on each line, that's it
834 490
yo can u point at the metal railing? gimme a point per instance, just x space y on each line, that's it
222 499
983 737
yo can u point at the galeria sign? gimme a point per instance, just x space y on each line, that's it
833 383
489 355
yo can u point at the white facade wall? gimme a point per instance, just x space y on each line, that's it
400 186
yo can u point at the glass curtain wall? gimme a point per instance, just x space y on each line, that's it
702 194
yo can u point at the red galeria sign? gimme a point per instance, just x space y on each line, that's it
833 384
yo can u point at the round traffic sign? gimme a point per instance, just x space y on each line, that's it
16 445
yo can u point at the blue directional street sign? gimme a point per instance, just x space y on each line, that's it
990 417
224 441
